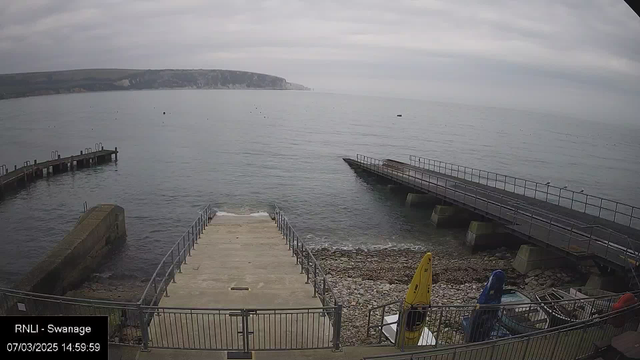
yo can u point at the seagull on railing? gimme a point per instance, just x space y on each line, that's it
566 186
548 183
582 190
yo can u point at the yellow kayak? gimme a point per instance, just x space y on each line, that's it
418 297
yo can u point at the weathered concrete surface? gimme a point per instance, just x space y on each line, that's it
482 235
532 257
450 216
605 282
241 251
99 231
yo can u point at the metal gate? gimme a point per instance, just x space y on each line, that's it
242 330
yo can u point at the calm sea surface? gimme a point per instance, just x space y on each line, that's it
242 151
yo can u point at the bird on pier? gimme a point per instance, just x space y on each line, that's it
548 183
582 190
566 186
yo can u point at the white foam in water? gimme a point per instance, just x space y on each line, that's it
260 213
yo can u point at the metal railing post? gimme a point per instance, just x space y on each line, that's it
172 268
308 263
600 208
143 329
302 262
324 290
315 279
179 257
245 331
337 326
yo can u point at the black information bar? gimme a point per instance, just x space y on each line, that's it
40 337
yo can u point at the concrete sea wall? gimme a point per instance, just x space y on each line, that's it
99 231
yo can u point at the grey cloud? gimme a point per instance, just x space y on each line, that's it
436 49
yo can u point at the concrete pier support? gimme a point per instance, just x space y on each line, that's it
605 282
532 257
420 199
485 234
449 216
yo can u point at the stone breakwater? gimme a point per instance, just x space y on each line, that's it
366 278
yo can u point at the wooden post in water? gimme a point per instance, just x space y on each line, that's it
116 154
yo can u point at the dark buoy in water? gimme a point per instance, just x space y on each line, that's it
163 113
399 115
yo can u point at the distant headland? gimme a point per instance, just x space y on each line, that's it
89 80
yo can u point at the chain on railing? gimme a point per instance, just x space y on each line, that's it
173 260
615 211
568 236
312 269
569 341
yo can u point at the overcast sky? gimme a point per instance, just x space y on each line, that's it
578 57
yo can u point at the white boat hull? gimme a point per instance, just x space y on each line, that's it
389 330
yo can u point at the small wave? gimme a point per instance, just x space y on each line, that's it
325 242
259 213
366 247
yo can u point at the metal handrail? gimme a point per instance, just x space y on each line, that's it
173 261
493 306
610 232
458 309
321 289
458 170
522 337
514 214
237 309
299 249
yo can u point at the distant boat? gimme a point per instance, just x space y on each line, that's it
399 115
521 319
